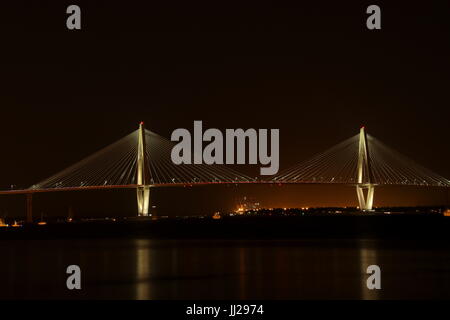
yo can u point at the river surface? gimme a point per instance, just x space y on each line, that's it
223 269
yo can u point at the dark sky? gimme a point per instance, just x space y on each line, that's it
311 69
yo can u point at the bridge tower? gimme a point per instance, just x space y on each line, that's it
365 179
142 174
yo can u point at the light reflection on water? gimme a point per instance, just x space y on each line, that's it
367 256
143 257
223 269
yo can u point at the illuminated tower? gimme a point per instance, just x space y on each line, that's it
143 189
365 180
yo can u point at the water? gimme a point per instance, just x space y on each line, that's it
223 269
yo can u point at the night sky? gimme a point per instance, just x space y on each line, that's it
312 70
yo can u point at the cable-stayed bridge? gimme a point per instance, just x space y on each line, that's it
142 160
365 162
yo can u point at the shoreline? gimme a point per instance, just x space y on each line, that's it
405 226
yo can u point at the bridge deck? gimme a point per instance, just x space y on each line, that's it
134 186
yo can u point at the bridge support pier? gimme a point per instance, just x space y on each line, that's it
143 200
365 203
29 218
